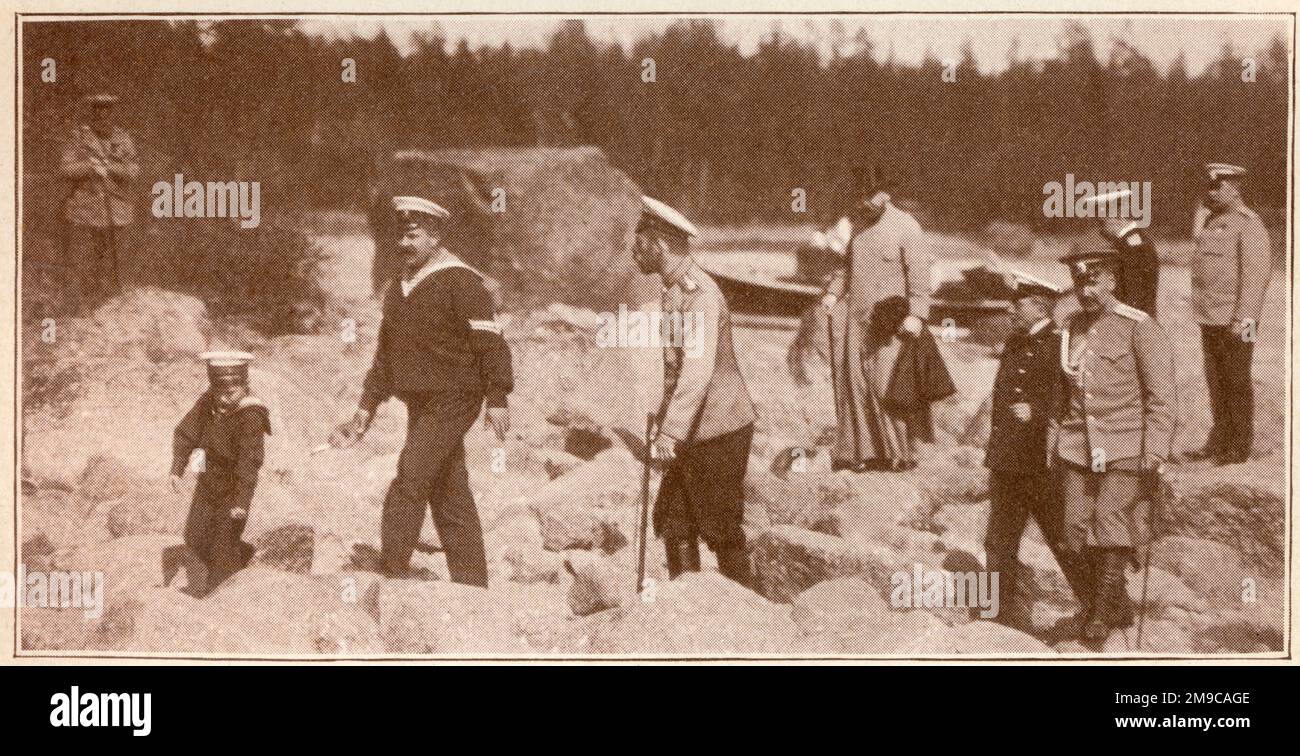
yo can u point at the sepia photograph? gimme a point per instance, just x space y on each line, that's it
668 337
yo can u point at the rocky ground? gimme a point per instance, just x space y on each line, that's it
559 510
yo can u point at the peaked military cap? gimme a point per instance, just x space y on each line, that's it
416 211
658 215
1087 262
1027 285
1219 171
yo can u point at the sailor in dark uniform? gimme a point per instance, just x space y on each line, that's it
442 353
226 425
1021 482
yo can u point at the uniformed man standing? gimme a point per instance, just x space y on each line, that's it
99 161
1139 264
442 353
1231 268
887 257
1021 481
1116 426
228 424
706 419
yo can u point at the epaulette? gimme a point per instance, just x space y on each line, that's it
1246 211
1134 239
1132 313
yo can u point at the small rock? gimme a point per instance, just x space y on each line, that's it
106 478
288 547
598 584
530 564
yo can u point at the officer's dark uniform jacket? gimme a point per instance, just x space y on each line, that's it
232 444
1138 282
440 339
1028 372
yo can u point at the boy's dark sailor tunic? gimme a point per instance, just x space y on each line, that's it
232 446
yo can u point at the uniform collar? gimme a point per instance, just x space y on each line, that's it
678 272
446 260
1040 326
1238 207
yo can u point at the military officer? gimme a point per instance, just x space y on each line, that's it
706 418
228 424
443 354
1230 274
1021 481
1139 263
99 162
1116 425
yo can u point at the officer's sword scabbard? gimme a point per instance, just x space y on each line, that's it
643 514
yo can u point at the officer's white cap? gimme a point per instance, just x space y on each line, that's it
1030 283
659 213
420 205
1224 170
226 358
1101 199
101 100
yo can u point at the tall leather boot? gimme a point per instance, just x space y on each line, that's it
1095 630
733 563
1118 607
1011 609
1076 568
683 556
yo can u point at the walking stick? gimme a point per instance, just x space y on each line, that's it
1153 520
643 514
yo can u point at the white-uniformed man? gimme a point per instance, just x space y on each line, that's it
706 419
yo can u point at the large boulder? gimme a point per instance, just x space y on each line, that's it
788 560
163 324
982 637
64 520
1242 506
857 507
611 480
257 610
698 614
563 234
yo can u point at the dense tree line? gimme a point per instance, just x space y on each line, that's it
723 135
